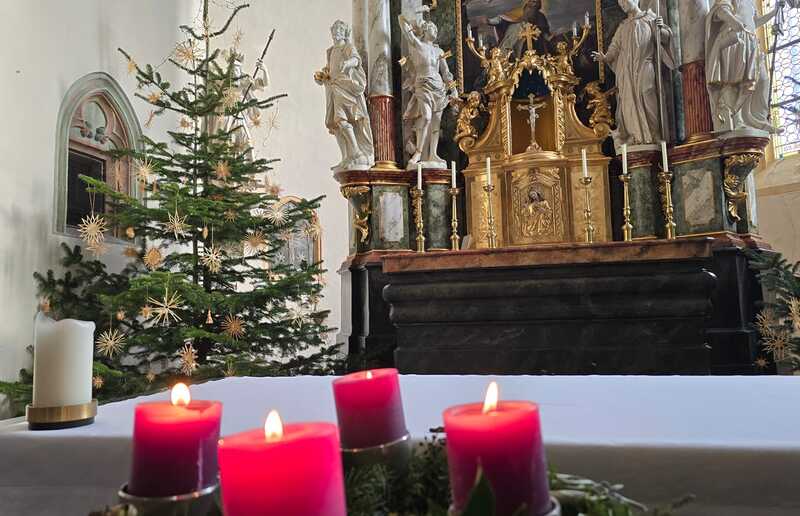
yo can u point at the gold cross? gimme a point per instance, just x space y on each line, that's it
530 33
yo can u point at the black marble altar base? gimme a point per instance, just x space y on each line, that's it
654 307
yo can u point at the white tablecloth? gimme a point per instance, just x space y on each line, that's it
732 441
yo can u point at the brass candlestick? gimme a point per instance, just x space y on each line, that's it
492 233
665 177
454 238
416 194
627 227
586 181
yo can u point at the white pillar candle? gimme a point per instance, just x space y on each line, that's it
469 31
625 159
585 163
586 19
664 158
419 176
488 171
574 29
453 173
62 362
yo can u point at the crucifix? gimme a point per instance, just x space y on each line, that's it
530 33
533 108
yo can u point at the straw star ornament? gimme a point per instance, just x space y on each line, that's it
277 213
110 343
233 327
153 258
212 259
176 224
188 359
165 309
92 228
222 170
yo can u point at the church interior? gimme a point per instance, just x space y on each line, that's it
400 257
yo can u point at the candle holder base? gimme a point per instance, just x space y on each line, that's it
395 455
58 418
554 511
204 502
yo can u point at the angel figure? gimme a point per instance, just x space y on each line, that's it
600 105
468 110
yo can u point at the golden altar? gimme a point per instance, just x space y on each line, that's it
538 197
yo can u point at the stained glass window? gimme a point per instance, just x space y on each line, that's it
786 85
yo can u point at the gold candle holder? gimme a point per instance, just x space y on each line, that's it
203 502
454 238
419 222
57 418
492 234
627 226
586 181
665 176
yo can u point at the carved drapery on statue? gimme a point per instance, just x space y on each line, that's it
538 198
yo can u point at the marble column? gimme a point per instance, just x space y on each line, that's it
360 28
380 92
696 104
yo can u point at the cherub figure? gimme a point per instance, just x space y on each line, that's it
600 106
468 110
497 65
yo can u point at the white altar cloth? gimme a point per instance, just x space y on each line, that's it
734 442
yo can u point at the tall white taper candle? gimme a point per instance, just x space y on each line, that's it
488 171
419 176
585 163
453 173
62 362
664 157
625 158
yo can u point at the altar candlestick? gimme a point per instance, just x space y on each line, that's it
504 439
419 176
453 174
585 163
277 469
369 408
625 159
62 362
174 445
489 171
664 157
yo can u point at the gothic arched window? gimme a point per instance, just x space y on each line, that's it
303 242
786 86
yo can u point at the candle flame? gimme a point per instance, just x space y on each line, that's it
180 394
490 401
273 428
369 375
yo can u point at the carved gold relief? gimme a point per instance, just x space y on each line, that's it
536 206
361 209
601 120
732 183
468 110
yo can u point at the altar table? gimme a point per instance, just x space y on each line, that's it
734 442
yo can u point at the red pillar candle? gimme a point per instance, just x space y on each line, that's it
283 470
174 445
369 408
505 440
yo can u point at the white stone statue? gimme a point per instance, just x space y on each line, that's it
736 70
428 79
631 56
346 116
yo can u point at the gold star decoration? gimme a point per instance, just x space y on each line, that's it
254 242
794 313
176 224
212 259
188 359
151 376
209 319
130 232
92 228
277 213
297 316
146 311
287 235
165 309
188 52
222 170
312 230
233 327
131 66
120 315
110 342
766 321
761 363
153 258
97 248
131 252
230 97
154 97
186 124
145 172
97 382
229 215
777 344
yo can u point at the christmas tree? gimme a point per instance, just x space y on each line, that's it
207 294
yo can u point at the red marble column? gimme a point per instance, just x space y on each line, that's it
695 100
381 114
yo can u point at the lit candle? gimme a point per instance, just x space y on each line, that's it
282 469
585 163
453 174
419 176
369 408
664 157
174 445
625 159
574 29
62 362
489 171
505 440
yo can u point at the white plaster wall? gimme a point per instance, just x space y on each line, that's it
301 140
45 46
778 189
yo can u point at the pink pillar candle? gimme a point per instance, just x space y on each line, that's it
283 470
174 445
369 408
505 440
